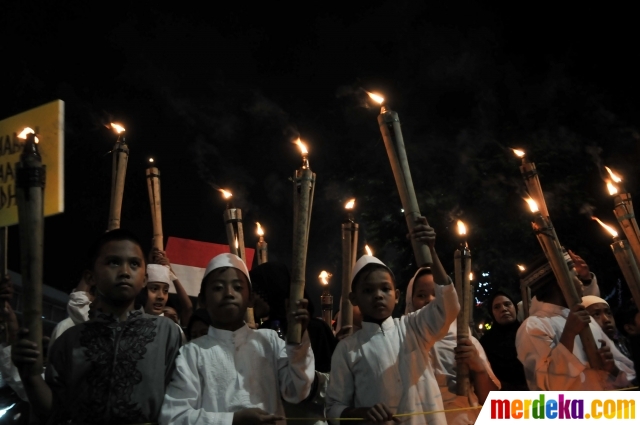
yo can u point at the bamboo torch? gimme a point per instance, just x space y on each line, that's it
326 299
626 261
623 210
525 292
303 188
153 184
261 247
553 251
235 238
349 250
30 181
4 239
462 266
120 155
392 135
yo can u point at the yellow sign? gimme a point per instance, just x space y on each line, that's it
48 122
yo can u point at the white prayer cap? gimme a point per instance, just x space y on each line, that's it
158 273
592 299
363 261
226 260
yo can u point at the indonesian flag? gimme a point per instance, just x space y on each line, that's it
189 259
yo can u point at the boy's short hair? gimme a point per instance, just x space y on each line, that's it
366 271
111 236
626 314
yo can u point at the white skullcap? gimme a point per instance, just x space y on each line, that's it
409 296
592 299
226 260
158 273
363 261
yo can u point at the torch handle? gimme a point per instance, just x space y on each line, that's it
30 194
4 238
462 323
525 292
349 244
241 250
302 202
532 181
233 217
626 217
629 267
153 185
394 144
553 252
262 250
120 159
326 300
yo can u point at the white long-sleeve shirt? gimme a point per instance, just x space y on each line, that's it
550 366
443 359
224 372
389 363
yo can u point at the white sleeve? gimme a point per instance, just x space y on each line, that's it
296 368
548 366
341 390
78 307
183 399
431 323
10 372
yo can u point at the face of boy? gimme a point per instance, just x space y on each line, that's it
376 296
424 291
119 272
158 293
227 296
601 313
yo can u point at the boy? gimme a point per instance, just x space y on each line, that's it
600 311
384 368
549 345
114 368
234 374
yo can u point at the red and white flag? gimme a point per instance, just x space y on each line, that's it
189 259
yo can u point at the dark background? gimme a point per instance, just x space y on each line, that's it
217 93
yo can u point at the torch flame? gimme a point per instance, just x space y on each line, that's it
236 242
324 277
349 205
368 250
302 147
260 231
376 97
521 267
470 275
462 229
533 205
607 228
614 177
225 193
151 160
612 189
117 127
519 153
25 131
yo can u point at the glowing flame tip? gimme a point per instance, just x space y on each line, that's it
521 267
25 131
614 176
350 204
612 188
607 228
368 250
376 97
519 153
324 277
462 229
260 230
117 128
533 205
303 148
226 194
470 275
151 160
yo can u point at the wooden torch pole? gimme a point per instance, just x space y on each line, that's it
153 184
626 217
262 247
349 251
303 183
120 155
30 181
462 323
628 265
394 143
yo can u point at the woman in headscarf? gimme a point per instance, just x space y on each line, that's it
499 342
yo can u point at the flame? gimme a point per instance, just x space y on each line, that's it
612 189
480 326
368 250
376 97
25 131
614 177
607 228
236 242
519 153
260 231
470 275
225 193
117 127
349 205
324 277
302 147
521 267
462 229
151 160
533 205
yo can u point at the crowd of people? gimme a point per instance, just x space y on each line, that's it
125 355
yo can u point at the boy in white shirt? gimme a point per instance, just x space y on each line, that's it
384 369
234 374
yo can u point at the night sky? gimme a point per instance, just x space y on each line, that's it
217 93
